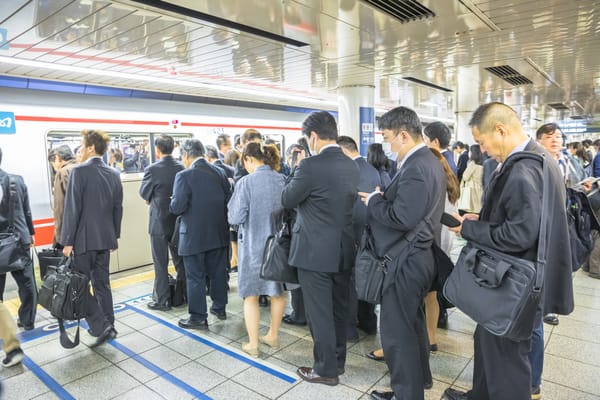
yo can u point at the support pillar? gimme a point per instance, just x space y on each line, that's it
356 115
467 101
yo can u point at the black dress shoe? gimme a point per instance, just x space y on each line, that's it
263 301
108 334
291 321
189 323
307 374
25 327
381 395
92 333
372 356
433 347
428 385
222 315
153 305
551 319
453 394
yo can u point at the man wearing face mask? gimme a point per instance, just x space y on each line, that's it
417 193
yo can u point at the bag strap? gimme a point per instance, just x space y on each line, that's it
409 238
65 341
541 254
10 194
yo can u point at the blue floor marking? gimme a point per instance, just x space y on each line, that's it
215 346
47 380
159 371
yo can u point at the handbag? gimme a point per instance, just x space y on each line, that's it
464 201
370 270
48 257
275 265
65 294
499 291
13 255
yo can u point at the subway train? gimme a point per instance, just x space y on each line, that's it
46 119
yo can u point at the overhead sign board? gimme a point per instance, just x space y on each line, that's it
7 123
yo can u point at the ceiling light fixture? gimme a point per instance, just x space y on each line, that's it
166 81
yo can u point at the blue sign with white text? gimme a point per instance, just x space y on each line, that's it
367 131
7 123
4 39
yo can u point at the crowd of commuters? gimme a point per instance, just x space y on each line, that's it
212 211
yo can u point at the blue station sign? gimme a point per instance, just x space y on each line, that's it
7 123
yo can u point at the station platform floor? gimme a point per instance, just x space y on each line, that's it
152 358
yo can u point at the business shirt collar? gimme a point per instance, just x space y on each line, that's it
328 146
358 157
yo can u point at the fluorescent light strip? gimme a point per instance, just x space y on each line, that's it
155 79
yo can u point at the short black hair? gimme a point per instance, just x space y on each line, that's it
165 144
476 155
193 148
402 119
222 140
63 152
546 129
322 123
459 144
377 158
348 143
212 152
250 134
438 130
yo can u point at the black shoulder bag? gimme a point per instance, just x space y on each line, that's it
499 291
13 255
275 265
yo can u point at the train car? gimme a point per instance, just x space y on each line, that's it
43 120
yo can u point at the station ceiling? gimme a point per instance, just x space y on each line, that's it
543 57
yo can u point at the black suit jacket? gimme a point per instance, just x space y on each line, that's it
323 189
463 160
93 207
510 221
229 171
200 196
369 179
450 158
23 222
156 189
417 191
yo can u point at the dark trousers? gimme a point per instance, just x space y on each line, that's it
161 246
536 355
25 280
95 265
359 311
326 304
298 313
402 325
501 368
212 263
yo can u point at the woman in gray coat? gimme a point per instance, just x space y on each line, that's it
255 202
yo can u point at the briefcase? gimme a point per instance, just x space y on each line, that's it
275 266
48 257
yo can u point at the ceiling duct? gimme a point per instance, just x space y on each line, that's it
425 83
402 10
509 74
558 106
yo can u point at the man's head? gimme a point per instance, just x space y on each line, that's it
164 145
459 146
212 154
93 143
550 136
402 130
191 149
59 156
348 146
320 129
223 143
497 129
250 135
437 136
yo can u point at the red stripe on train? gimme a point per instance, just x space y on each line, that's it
33 118
44 231
199 124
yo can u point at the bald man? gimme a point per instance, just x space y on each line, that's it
510 222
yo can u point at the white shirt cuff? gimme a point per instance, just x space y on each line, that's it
370 196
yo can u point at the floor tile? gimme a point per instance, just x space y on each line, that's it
572 374
161 333
198 376
189 347
312 391
137 321
168 390
553 391
23 386
104 384
362 373
45 353
574 349
578 330
268 385
76 366
222 363
232 390
165 358
136 370
140 392
299 353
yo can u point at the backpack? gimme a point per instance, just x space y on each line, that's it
581 221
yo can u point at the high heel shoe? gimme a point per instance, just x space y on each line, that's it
253 351
274 344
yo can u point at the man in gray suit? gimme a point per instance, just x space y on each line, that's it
413 202
156 189
91 227
369 180
323 190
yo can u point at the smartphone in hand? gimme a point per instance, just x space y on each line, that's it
449 221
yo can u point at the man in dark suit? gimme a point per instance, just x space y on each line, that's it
224 145
510 222
437 136
23 224
212 156
463 158
200 196
322 190
412 204
156 189
369 180
91 227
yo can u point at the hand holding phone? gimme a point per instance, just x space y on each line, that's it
450 221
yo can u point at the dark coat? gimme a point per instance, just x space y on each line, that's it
369 179
461 166
323 189
450 158
156 189
510 221
200 196
229 171
93 207
22 219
